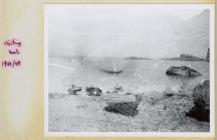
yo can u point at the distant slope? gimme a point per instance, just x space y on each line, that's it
188 57
193 35
136 58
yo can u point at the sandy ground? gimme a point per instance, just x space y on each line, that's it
157 112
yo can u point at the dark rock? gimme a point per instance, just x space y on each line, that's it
74 90
182 71
201 97
124 107
199 114
168 94
208 55
93 91
129 93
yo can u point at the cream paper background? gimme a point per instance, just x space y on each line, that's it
22 89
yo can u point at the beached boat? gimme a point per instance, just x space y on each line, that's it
123 104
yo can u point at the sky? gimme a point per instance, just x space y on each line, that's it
121 30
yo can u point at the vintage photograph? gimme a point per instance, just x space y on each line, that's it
128 67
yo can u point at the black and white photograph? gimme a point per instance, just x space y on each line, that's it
129 68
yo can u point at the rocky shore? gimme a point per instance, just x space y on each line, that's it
120 108
94 109
157 111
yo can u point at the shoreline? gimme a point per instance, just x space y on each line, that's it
162 109
158 112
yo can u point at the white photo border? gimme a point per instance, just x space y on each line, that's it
211 7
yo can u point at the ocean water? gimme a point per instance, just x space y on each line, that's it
136 75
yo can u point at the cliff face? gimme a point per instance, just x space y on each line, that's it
189 57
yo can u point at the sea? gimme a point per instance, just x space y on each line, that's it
134 75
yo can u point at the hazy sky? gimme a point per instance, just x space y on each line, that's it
115 30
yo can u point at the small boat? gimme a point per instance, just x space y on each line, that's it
111 72
123 104
111 65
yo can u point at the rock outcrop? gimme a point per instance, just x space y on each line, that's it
186 57
201 96
93 91
208 55
182 71
190 57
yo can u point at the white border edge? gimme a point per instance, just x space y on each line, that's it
136 134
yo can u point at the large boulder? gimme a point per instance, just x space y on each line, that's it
201 96
182 71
